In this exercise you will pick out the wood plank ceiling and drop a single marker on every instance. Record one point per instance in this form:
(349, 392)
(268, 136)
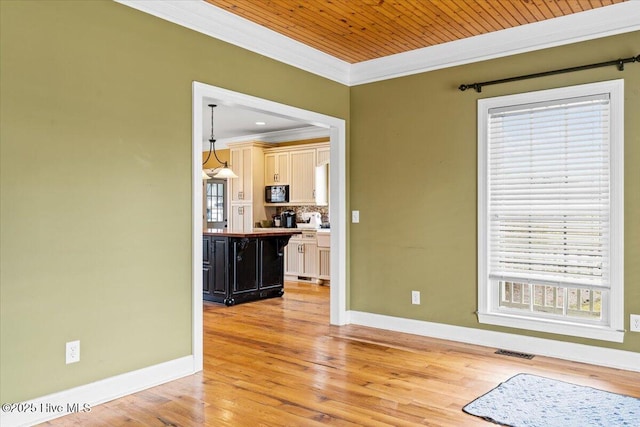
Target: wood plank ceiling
(357, 31)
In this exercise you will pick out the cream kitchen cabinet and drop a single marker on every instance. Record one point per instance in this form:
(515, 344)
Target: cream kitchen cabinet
(242, 163)
(324, 264)
(246, 191)
(323, 155)
(241, 220)
(304, 168)
(301, 258)
(303, 177)
(324, 255)
(276, 168)
(322, 176)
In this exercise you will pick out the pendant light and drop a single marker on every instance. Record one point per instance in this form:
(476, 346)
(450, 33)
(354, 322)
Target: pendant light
(224, 171)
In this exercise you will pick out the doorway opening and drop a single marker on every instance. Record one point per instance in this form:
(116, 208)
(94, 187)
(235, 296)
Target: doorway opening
(337, 204)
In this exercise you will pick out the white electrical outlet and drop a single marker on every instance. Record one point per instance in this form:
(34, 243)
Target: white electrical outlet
(73, 352)
(415, 297)
(635, 323)
(355, 216)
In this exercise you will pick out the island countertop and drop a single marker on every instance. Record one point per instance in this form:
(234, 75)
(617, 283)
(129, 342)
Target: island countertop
(256, 232)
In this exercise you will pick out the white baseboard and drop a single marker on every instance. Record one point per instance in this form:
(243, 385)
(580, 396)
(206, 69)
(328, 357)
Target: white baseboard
(600, 356)
(55, 405)
(58, 404)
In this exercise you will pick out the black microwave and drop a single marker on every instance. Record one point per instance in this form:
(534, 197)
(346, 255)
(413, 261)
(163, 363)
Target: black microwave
(276, 194)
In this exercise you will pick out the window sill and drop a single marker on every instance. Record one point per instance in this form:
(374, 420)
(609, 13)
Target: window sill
(597, 332)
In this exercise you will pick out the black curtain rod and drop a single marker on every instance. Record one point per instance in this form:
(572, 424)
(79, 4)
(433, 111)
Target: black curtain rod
(617, 62)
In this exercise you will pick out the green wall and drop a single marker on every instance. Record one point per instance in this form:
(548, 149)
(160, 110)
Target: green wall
(413, 178)
(95, 178)
(96, 183)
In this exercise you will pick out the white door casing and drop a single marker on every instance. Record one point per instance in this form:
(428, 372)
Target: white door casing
(337, 205)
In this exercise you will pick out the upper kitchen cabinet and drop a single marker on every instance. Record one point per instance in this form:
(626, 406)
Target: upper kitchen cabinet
(321, 188)
(322, 155)
(304, 168)
(241, 162)
(247, 161)
(303, 176)
(276, 168)
(246, 191)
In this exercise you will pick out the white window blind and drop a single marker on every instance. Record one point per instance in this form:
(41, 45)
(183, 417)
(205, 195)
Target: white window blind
(551, 210)
(548, 192)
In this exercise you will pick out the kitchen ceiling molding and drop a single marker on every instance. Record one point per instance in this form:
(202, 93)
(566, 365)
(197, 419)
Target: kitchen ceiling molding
(220, 24)
(308, 132)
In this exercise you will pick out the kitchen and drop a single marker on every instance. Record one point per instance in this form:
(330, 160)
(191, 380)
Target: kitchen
(271, 222)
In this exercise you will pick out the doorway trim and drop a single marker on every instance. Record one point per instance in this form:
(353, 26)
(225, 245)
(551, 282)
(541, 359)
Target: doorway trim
(337, 205)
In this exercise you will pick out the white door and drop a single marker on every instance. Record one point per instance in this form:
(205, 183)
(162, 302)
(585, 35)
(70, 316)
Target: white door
(216, 203)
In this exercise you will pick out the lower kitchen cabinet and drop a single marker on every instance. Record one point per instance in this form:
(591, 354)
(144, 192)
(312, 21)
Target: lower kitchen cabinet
(243, 257)
(214, 268)
(302, 258)
(238, 269)
(295, 259)
(324, 255)
(271, 271)
(206, 265)
(219, 274)
(324, 263)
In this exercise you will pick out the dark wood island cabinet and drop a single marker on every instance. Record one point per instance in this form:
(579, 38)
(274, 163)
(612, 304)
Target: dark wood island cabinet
(240, 267)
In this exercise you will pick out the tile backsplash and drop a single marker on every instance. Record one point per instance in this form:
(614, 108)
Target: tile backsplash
(324, 211)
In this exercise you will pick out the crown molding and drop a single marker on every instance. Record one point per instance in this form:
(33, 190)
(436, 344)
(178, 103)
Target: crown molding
(220, 24)
(300, 134)
(592, 24)
(215, 22)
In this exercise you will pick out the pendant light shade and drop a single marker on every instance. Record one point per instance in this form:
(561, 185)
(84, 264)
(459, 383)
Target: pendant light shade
(224, 171)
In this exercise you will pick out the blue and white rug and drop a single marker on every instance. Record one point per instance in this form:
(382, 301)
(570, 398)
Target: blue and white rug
(533, 401)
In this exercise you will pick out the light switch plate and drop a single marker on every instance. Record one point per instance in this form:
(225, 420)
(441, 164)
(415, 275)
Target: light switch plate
(355, 216)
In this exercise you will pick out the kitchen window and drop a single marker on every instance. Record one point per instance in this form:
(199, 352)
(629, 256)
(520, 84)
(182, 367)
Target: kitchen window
(550, 211)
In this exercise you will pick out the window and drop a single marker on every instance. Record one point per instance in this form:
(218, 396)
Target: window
(550, 211)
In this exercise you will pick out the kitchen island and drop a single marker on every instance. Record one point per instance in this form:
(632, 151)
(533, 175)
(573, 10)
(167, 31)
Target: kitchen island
(240, 267)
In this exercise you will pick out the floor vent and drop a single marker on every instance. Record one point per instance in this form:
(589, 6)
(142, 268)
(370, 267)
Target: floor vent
(515, 354)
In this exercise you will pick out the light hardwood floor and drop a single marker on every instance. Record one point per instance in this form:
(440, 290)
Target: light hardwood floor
(278, 362)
